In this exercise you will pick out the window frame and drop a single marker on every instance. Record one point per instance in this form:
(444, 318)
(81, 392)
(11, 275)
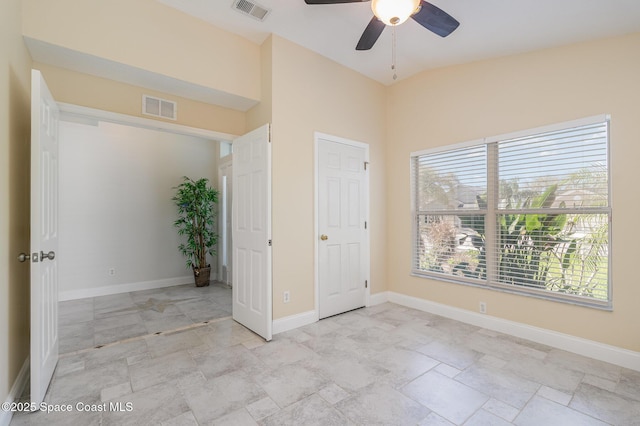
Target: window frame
(493, 212)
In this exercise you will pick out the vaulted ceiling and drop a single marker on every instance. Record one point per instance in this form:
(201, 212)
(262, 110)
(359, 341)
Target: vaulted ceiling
(488, 28)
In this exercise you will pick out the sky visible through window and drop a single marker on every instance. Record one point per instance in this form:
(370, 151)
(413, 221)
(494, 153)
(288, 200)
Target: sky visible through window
(557, 155)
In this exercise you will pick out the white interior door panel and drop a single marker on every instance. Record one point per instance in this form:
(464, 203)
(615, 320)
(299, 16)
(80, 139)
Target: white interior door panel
(251, 232)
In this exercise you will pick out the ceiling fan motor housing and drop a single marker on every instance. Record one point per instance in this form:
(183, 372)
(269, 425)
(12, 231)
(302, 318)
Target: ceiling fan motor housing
(394, 12)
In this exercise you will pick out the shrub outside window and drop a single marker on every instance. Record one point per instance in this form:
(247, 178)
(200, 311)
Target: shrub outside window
(528, 212)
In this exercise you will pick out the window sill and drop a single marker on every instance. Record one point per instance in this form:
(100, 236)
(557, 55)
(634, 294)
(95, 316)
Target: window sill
(521, 291)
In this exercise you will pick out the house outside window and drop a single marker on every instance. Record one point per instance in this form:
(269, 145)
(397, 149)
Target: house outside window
(527, 212)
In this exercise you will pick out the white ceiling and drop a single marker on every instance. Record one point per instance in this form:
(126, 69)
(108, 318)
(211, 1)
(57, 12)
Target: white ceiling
(488, 28)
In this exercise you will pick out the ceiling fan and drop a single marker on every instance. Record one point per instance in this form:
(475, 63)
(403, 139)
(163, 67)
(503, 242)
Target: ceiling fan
(395, 12)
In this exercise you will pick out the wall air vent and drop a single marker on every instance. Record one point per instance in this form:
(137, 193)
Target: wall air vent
(251, 8)
(161, 108)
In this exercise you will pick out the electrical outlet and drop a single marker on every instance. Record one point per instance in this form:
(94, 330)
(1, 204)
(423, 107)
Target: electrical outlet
(112, 272)
(483, 308)
(287, 297)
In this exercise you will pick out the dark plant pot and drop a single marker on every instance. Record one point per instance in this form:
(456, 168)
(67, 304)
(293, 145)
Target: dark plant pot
(202, 276)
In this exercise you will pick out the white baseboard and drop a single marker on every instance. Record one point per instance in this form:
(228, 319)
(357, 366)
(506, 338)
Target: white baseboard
(16, 391)
(122, 288)
(378, 298)
(305, 318)
(589, 348)
(294, 321)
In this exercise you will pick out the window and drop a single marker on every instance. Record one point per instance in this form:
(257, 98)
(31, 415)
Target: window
(527, 212)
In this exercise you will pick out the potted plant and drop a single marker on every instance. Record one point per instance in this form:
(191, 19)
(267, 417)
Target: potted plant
(195, 201)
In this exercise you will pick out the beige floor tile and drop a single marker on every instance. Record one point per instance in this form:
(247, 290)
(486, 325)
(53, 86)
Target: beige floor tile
(234, 358)
(290, 383)
(485, 418)
(546, 373)
(333, 393)
(555, 395)
(162, 369)
(349, 373)
(262, 408)
(500, 409)
(450, 399)
(165, 344)
(239, 417)
(220, 396)
(184, 419)
(607, 406)
(150, 406)
(455, 355)
(541, 411)
(386, 364)
(281, 352)
(500, 384)
(381, 404)
(85, 386)
(311, 411)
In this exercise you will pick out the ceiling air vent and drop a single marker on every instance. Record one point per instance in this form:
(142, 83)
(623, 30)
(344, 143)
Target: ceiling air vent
(159, 107)
(251, 9)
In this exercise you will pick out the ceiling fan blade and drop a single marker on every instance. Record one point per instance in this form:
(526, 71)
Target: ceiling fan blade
(333, 1)
(435, 19)
(370, 34)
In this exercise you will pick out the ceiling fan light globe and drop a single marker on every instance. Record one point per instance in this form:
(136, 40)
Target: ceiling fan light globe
(394, 12)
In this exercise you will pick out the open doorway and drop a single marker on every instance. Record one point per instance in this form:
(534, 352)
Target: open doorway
(121, 274)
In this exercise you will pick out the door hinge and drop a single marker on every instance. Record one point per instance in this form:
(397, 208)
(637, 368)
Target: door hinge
(269, 242)
(365, 224)
(366, 284)
(366, 163)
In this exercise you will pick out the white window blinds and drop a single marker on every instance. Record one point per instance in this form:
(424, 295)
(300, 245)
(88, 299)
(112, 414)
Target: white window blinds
(449, 219)
(528, 213)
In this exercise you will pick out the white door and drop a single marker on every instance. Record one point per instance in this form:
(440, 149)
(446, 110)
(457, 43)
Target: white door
(342, 210)
(44, 236)
(251, 235)
(225, 259)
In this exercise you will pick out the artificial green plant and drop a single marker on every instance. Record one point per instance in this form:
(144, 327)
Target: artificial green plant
(196, 212)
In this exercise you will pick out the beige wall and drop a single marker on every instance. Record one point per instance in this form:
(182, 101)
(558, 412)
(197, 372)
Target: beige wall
(262, 113)
(151, 36)
(492, 97)
(109, 95)
(15, 77)
(311, 93)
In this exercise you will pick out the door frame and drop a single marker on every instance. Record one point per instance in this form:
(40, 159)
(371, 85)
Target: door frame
(75, 113)
(224, 212)
(317, 138)
(86, 115)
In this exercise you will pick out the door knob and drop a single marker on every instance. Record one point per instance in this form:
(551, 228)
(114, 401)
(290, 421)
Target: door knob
(323, 237)
(51, 255)
(23, 257)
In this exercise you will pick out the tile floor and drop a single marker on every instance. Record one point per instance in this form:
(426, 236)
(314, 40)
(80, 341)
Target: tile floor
(94, 321)
(384, 365)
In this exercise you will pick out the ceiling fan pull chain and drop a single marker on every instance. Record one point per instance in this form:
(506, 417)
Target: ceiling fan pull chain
(393, 52)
